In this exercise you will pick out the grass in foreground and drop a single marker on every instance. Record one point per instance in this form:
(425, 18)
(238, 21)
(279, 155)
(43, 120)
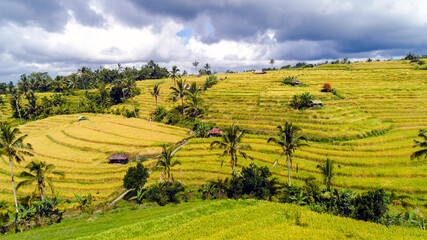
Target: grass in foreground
(224, 219)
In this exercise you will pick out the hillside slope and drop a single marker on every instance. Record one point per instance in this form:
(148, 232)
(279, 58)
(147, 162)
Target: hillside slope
(224, 219)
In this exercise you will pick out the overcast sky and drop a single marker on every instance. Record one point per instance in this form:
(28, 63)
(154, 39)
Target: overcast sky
(60, 36)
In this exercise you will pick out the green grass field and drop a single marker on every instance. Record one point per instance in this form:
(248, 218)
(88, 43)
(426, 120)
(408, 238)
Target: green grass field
(224, 219)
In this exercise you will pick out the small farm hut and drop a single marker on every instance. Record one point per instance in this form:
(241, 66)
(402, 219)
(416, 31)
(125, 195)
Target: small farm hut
(214, 132)
(259, 72)
(119, 158)
(316, 103)
(296, 83)
(81, 118)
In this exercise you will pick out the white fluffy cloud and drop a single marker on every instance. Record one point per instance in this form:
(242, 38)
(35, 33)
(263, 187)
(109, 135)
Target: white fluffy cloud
(59, 37)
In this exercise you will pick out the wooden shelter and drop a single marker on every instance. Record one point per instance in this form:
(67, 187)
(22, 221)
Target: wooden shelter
(259, 72)
(214, 132)
(316, 103)
(119, 158)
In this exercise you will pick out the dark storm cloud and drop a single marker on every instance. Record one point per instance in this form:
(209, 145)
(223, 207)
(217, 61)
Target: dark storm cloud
(51, 15)
(354, 26)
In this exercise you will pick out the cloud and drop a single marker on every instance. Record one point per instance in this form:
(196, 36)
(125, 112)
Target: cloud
(59, 36)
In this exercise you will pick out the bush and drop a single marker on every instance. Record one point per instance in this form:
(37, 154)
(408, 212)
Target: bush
(214, 189)
(289, 80)
(371, 205)
(135, 177)
(164, 192)
(202, 129)
(252, 181)
(312, 190)
(326, 87)
(301, 101)
(210, 81)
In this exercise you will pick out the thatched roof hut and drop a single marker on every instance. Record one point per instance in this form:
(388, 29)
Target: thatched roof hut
(259, 72)
(120, 158)
(214, 132)
(316, 103)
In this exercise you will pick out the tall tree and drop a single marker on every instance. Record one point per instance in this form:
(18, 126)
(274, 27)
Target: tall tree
(327, 172)
(2, 109)
(165, 161)
(179, 92)
(272, 62)
(84, 74)
(156, 92)
(207, 67)
(14, 100)
(195, 64)
(174, 74)
(39, 172)
(423, 152)
(130, 88)
(231, 139)
(289, 140)
(14, 148)
(194, 100)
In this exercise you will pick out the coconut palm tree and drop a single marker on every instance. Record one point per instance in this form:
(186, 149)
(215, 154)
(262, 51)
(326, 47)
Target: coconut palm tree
(195, 64)
(231, 139)
(38, 172)
(129, 88)
(14, 148)
(174, 74)
(194, 101)
(165, 162)
(179, 92)
(328, 172)
(423, 152)
(2, 109)
(289, 140)
(156, 92)
(272, 62)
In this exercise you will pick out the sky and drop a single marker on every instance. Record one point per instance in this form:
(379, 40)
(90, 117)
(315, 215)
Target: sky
(59, 37)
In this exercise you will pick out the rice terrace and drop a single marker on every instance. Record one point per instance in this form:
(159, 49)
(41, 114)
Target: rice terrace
(301, 147)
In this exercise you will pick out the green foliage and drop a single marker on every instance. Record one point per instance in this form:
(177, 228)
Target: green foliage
(214, 189)
(302, 101)
(42, 213)
(289, 80)
(312, 191)
(210, 81)
(371, 205)
(252, 181)
(85, 203)
(164, 192)
(135, 177)
(202, 129)
(423, 152)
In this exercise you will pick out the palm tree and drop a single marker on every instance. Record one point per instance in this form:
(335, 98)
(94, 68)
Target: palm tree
(231, 139)
(164, 161)
(16, 96)
(194, 101)
(174, 74)
(84, 75)
(423, 152)
(289, 140)
(328, 172)
(156, 92)
(179, 92)
(14, 148)
(195, 64)
(272, 62)
(38, 172)
(2, 109)
(207, 67)
(130, 88)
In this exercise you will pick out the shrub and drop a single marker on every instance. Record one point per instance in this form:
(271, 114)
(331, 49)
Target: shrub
(214, 189)
(135, 177)
(326, 87)
(371, 205)
(301, 101)
(202, 129)
(164, 192)
(210, 81)
(252, 181)
(312, 190)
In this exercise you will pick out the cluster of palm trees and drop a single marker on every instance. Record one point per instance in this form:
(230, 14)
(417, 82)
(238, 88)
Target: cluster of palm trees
(13, 146)
(192, 95)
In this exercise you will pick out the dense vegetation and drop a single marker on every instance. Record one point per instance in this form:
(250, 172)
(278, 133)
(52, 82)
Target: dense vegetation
(369, 134)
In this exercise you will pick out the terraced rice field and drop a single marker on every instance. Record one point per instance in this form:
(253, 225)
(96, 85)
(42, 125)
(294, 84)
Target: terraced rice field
(369, 133)
(384, 98)
(80, 149)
